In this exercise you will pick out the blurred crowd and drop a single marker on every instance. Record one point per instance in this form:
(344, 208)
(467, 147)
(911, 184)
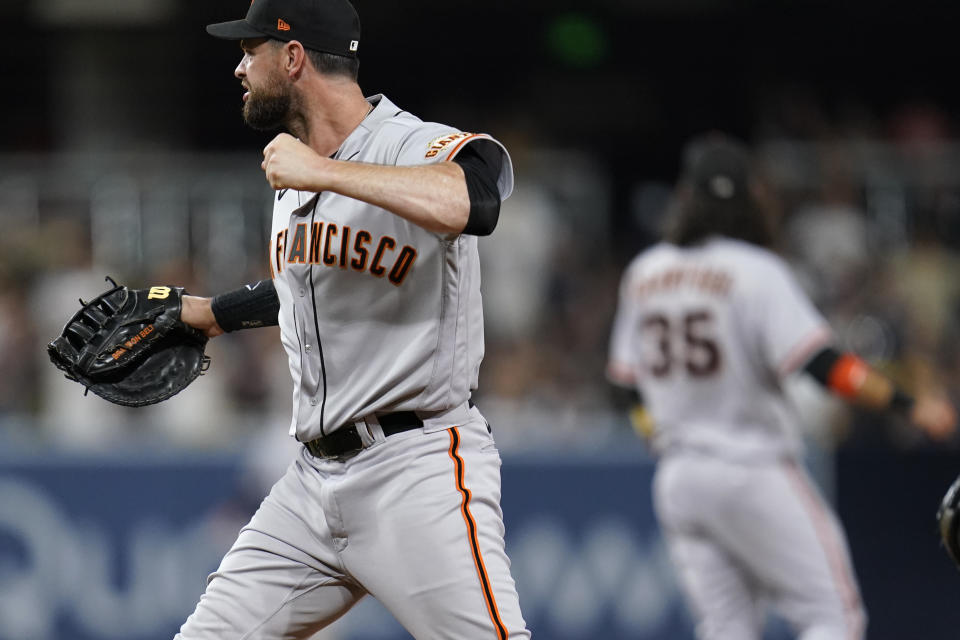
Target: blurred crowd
(869, 210)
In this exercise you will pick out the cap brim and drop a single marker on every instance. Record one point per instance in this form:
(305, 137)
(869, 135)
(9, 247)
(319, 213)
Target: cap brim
(234, 30)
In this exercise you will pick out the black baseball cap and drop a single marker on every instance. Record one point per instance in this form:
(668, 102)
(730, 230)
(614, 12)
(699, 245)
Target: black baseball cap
(718, 166)
(331, 26)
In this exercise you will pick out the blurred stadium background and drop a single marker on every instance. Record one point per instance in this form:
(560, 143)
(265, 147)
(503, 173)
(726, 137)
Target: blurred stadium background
(122, 152)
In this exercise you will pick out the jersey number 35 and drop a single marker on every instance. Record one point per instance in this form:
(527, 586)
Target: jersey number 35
(681, 343)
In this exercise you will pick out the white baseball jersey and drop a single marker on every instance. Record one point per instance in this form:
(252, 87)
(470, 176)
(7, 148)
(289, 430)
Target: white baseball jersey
(721, 323)
(706, 333)
(376, 313)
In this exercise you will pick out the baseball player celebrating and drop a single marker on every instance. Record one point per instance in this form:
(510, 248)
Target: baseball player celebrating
(708, 326)
(375, 286)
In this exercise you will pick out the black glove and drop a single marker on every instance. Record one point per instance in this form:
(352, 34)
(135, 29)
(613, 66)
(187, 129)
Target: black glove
(948, 516)
(129, 346)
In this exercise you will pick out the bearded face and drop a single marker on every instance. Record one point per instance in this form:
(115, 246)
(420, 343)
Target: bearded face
(269, 105)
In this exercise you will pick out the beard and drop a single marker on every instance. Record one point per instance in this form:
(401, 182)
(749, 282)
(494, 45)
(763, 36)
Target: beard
(269, 107)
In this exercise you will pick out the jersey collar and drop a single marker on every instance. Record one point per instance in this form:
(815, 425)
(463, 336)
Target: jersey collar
(383, 109)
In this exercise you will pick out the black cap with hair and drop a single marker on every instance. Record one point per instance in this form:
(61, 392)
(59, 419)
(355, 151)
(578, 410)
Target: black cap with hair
(331, 26)
(718, 167)
(721, 196)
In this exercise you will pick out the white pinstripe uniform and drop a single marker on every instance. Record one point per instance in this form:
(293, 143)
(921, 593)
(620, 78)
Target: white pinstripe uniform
(707, 333)
(378, 316)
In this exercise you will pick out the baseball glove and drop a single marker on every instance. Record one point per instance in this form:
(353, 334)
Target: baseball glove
(948, 516)
(129, 346)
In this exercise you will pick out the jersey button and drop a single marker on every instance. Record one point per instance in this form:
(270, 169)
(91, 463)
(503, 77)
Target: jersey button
(303, 292)
(307, 347)
(313, 402)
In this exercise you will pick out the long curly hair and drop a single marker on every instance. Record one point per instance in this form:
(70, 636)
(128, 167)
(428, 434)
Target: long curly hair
(718, 194)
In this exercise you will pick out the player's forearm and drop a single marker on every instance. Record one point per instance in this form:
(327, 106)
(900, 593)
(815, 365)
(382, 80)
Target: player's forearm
(851, 378)
(196, 312)
(250, 306)
(434, 197)
(929, 411)
(876, 392)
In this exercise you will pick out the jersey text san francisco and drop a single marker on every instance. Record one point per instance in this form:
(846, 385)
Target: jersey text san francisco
(333, 245)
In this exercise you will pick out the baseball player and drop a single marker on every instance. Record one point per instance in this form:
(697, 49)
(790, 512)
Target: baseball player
(376, 287)
(708, 326)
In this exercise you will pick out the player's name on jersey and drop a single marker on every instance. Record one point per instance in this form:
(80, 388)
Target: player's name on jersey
(709, 280)
(333, 245)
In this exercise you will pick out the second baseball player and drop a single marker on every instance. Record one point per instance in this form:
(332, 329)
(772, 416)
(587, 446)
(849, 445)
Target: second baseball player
(709, 325)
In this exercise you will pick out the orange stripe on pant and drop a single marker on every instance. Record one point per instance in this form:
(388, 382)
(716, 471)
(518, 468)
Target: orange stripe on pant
(833, 550)
(472, 534)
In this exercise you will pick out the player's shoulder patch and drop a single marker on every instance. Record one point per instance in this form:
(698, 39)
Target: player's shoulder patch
(449, 141)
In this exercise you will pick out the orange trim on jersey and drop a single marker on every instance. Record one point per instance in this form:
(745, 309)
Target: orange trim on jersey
(621, 373)
(488, 596)
(833, 549)
(847, 375)
(805, 349)
(460, 144)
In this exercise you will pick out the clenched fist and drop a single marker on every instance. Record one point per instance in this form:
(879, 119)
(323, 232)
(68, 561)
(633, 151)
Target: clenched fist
(290, 164)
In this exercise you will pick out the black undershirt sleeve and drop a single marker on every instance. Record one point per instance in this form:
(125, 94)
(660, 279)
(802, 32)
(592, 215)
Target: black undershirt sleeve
(823, 362)
(624, 398)
(250, 306)
(820, 365)
(481, 161)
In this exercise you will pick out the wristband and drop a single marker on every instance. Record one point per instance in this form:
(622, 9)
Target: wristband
(251, 306)
(901, 402)
(847, 375)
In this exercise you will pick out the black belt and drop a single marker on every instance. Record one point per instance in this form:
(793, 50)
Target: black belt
(346, 439)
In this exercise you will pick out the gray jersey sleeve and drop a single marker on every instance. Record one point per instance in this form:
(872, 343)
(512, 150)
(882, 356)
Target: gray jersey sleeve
(789, 327)
(434, 143)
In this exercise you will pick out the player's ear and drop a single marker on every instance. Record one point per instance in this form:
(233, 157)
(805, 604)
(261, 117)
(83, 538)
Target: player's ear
(294, 58)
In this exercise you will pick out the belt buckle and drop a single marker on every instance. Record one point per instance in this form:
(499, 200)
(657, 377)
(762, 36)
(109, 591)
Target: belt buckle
(361, 433)
(319, 451)
(325, 453)
(349, 452)
(325, 446)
